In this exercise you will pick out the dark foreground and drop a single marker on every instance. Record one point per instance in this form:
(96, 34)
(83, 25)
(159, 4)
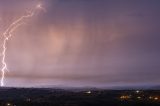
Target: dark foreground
(56, 97)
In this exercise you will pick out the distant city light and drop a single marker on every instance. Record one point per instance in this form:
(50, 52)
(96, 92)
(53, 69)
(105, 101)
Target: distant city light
(139, 97)
(125, 97)
(150, 97)
(8, 104)
(88, 92)
(156, 98)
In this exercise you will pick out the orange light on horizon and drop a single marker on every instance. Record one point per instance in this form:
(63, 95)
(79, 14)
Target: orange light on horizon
(125, 97)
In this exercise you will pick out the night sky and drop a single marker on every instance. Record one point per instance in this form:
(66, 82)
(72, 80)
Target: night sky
(79, 43)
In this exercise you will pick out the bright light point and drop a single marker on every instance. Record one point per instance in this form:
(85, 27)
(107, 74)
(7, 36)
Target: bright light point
(39, 6)
(137, 91)
(156, 98)
(88, 92)
(8, 104)
(139, 97)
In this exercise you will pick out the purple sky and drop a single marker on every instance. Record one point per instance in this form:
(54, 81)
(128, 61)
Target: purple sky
(83, 43)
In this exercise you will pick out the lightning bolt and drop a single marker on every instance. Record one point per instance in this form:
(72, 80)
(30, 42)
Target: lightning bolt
(8, 34)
